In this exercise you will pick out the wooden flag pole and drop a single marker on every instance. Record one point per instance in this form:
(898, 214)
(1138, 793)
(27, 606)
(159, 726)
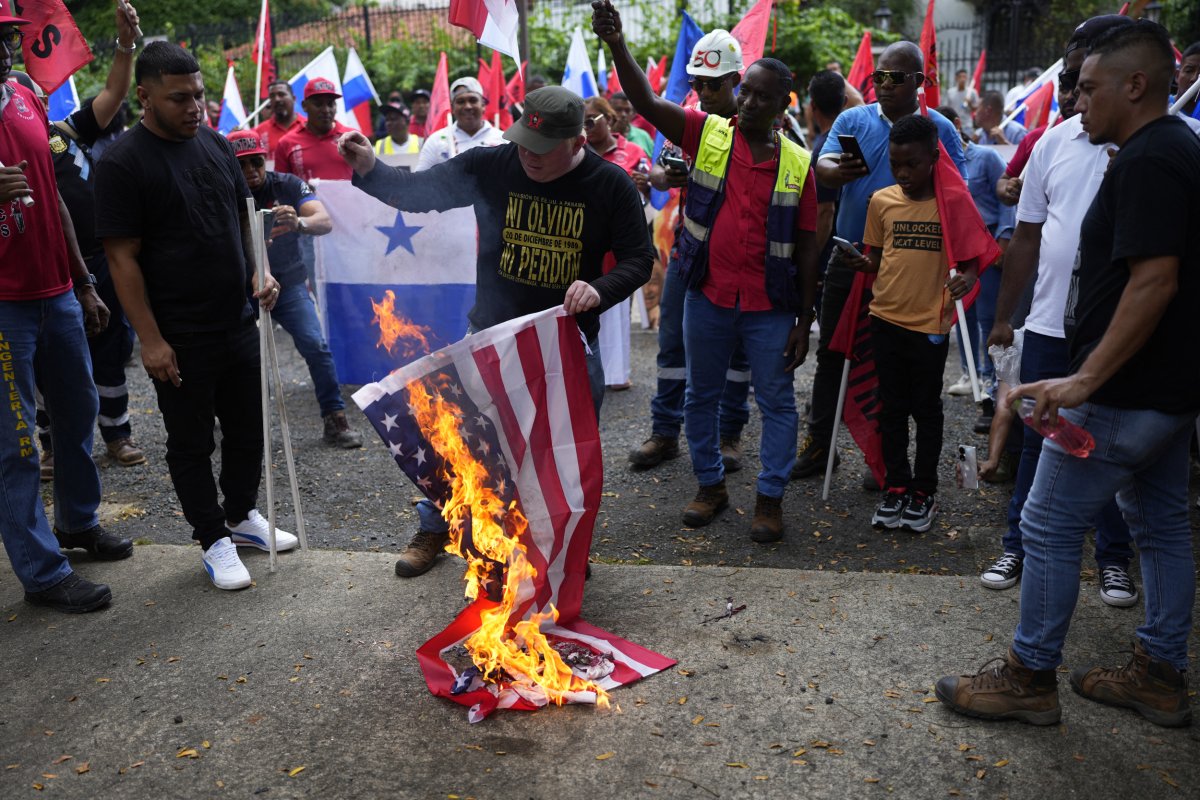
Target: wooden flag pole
(256, 235)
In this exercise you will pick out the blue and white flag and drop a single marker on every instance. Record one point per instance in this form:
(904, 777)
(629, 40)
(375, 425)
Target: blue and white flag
(425, 261)
(233, 113)
(601, 70)
(578, 75)
(358, 91)
(63, 101)
(323, 66)
(677, 87)
(1017, 114)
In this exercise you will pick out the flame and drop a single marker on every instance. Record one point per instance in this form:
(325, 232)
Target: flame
(393, 328)
(486, 533)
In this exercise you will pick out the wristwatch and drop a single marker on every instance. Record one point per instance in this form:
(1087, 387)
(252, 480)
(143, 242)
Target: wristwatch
(90, 280)
(300, 226)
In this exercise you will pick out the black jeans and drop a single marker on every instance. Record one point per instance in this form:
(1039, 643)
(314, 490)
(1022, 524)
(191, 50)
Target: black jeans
(219, 375)
(910, 367)
(828, 378)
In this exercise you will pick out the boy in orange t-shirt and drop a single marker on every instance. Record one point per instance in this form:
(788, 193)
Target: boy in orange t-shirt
(911, 314)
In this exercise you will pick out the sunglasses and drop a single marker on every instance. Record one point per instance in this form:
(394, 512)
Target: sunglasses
(590, 122)
(712, 84)
(255, 161)
(12, 39)
(896, 76)
(1068, 80)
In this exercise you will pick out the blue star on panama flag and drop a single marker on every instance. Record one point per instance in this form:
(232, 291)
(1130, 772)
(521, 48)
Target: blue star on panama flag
(399, 234)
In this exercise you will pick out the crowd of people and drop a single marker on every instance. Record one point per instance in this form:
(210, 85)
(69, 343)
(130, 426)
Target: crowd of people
(1082, 249)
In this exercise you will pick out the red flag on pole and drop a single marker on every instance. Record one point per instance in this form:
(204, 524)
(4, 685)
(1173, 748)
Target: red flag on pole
(485, 80)
(655, 74)
(933, 90)
(861, 69)
(852, 338)
(439, 99)
(469, 14)
(514, 91)
(497, 109)
(751, 32)
(977, 80)
(53, 47)
(265, 62)
(1037, 107)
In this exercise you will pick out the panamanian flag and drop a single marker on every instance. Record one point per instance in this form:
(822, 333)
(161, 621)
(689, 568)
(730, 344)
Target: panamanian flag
(426, 261)
(526, 414)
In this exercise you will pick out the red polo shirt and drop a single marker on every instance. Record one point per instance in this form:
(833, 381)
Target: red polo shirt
(273, 131)
(737, 246)
(32, 248)
(306, 155)
(628, 156)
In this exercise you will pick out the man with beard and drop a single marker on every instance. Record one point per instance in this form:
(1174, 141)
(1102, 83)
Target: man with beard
(283, 119)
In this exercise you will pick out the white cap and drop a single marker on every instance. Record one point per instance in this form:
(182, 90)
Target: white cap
(716, 54)
(466, 85)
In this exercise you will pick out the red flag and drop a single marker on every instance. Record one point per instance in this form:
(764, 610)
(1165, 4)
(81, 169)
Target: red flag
(439, 99)
(53, 47)
(268, 73)
(1038, 105)
(852, 338)
(861, 69)
(977, 80)
(655, 74)
(614, 83)
(751, 32)
(933, 90)
(514, 91)
(521, 389)
(469, 14)
(497, 109)
(485, 80)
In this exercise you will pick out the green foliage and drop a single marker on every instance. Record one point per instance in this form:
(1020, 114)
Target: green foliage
(1182, 18)
(808, 38)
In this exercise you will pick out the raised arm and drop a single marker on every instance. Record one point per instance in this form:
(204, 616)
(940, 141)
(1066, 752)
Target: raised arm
(451, 184)
(107, 103)
(666, 116)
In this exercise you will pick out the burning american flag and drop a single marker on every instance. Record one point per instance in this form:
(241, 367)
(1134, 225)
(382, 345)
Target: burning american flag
(498, 429)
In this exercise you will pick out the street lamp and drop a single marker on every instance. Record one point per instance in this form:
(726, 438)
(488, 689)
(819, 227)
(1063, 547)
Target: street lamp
(1153, 11)
(883, 16)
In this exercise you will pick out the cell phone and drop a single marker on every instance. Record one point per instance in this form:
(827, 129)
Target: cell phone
(851, 147)
(268, 221)
(967, 468)
(846, 247)
(674, 163)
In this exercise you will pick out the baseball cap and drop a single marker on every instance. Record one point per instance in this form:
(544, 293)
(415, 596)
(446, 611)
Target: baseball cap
(415, 93)
(1090, 30)
(551, 115)
(395, 108)
(6, 17)
(246, 143)
(466, 85)
(320, 86)
(716, 54)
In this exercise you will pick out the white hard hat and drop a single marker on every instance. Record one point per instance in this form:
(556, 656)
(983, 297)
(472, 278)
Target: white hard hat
(716, 54)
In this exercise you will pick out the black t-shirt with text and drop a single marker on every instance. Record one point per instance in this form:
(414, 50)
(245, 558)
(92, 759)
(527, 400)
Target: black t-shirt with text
(281, 188)
(535, 239)
(183, 200)
(1148, 205)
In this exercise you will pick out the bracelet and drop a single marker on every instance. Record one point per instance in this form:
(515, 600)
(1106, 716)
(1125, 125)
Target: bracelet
(122, 48)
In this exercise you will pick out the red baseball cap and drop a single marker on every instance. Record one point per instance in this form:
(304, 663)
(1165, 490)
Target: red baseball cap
(247, 143)
(317, 86)
(6, 18)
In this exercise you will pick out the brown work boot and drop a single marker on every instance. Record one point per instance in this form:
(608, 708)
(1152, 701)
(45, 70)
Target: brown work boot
(768, 519)
(47, 466)
(421, 553)
(709, 502)
(125, 452)
(338, 432)
(731, 453)
(1154, 689)
(654, 451)
(1007, 690)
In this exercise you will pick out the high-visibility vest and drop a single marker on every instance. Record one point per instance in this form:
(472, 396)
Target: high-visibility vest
(387, 147)
(706, 192)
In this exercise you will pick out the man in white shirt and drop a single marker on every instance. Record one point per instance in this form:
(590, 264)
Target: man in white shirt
(469, 129)
(963, 98)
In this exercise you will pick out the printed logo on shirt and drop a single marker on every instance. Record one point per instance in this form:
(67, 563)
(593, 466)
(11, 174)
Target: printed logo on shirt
(1072, 294)
(22, 109)
(58, 144)
(543, 241)
(917, 236)
(12, 222)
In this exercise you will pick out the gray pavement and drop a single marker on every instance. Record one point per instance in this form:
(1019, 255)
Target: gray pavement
(821, 688)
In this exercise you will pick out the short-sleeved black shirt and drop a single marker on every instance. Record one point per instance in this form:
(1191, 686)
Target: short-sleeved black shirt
(73, 172)
(1148, 205)
(280, 188)
(182, 200)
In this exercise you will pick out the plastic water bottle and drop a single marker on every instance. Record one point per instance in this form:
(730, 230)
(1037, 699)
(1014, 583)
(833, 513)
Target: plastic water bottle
(1066, 434)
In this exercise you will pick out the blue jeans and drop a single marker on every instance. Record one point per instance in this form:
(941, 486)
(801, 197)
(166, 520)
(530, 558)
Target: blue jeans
(428, 513)
(46, 336)
(984, 309)
(1141, 456)
(666, 409)
(297, 313)
(711, 334)
(1046, 357)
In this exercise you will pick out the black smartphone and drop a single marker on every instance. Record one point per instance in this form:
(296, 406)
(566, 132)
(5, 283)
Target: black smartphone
(678, 164)
(851, 147)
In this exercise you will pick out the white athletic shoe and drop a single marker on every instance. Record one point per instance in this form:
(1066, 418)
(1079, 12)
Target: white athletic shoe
(252, 532)
(223, 566)
(961, 387)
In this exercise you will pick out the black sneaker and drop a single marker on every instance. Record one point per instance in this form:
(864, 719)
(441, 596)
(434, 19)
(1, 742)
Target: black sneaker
(100, 544)
(890, 508)
(919, 512)
(1004, 573)
(983, 424)
(72, 595)
(812, 459)
(1117, 588)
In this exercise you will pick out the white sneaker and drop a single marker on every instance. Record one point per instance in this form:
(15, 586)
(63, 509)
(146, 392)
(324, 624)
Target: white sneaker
(252, 532)
(223, 566)
(960, 388)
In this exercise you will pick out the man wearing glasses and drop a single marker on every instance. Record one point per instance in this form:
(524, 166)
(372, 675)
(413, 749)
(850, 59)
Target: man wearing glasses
(715, 69)
(896, 83)
(47, 303)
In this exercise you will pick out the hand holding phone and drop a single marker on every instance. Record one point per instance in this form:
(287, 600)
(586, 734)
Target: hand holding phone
(677, 164)
(853, 163)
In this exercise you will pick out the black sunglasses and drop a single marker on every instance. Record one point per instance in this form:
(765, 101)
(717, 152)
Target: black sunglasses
(590, 122)
(713, 84)
(896, 76)
(12, 39)
(1068, 80)
(256, 161)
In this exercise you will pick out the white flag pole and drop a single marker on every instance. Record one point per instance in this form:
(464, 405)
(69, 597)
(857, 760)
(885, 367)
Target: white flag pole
(837, 419)
(262, 35)
(1050, 74)
(264, 323)
(964, 334)
(1185, 98)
